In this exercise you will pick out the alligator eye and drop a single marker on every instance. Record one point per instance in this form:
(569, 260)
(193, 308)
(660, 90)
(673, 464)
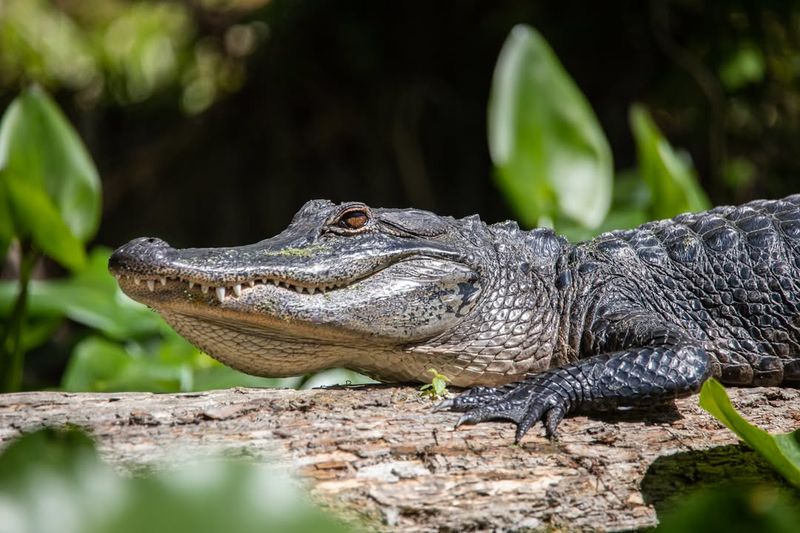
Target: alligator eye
(355, 219)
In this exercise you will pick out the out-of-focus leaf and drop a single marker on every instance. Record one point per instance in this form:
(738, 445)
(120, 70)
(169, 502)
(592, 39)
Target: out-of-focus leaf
(629, 205)
(39, 147)
(731, 509)
(53, 480)
(782, 450)
(36, 217)
(673, 186)
(94, 364)
(91, 297)
(745, 65)
(171, 365)
(550, 153)
(7, 230)
(38, 330)
(51, 449)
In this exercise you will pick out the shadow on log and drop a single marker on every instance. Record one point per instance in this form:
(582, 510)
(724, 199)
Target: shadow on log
(673, 476)
(382, 454)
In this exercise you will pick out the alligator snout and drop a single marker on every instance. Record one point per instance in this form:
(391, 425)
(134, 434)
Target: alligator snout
(143, 255)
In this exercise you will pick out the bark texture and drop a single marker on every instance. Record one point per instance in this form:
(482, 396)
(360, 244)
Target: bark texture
(379, 453)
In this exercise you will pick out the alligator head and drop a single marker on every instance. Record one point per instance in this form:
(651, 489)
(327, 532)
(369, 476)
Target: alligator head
(388, 292)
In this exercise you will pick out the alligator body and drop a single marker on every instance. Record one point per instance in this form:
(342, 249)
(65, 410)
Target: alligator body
(538, 326)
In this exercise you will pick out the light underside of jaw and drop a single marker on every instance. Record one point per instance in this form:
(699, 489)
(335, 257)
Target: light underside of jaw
(223, 291)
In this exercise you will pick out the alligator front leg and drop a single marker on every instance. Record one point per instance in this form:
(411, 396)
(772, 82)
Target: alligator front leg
(635, 375)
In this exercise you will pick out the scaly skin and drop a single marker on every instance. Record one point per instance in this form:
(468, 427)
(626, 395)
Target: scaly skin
(540, 327)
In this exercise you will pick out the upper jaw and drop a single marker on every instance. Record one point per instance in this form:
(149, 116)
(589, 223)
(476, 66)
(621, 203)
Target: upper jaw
(308, 268)
(134, 282)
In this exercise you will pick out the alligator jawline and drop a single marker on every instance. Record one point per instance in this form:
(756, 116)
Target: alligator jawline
(235, 288)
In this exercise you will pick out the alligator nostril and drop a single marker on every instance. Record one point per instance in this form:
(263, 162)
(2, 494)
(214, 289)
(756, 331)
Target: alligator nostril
(150, 251)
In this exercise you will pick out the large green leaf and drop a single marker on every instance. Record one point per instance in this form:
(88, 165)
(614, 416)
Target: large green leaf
(782, 450)
(673, 185)
(550, 153)
(39, 147)
(35, 216)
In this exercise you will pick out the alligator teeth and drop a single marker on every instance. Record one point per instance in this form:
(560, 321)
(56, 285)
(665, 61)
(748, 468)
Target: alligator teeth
(299, 289)
(163, 280)
(151, 284)
(220, 293)
(191, 284)
(204, 289)
(137, 281)
(237, 290)
(276, 282)
(251, 283)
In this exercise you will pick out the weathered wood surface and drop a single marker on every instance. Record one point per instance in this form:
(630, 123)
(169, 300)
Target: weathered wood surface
(380, 452)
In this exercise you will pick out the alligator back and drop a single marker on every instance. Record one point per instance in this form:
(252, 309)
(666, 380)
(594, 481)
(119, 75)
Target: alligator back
(729, 276)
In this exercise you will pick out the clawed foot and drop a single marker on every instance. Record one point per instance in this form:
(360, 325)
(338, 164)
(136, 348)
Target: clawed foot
(541, 397)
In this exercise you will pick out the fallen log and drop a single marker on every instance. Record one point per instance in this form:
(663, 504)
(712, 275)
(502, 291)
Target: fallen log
(380, 453)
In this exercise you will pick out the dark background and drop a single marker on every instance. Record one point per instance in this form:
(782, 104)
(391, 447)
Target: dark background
(385, 102)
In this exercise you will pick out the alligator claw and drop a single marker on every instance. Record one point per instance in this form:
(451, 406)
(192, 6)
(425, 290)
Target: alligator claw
(541, 397)
(444, 405)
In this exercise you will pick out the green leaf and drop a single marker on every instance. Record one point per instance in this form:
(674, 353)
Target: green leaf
(48, 449)
(94, 364)
(673, 185)
(730, 508)
(168, 365)
(37, 218)
(782, 450)
(54, 480)
(39, 147)
(549, 151)
(7, 230)
(90, 297)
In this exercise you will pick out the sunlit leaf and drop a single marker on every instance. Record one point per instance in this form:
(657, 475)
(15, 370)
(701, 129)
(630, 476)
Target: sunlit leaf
(35, 216)
(39, 147)
(673, 186)
(550, 153)
(781, 450)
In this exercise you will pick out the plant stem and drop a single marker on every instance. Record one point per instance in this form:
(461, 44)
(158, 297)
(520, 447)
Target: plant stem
(12, 356)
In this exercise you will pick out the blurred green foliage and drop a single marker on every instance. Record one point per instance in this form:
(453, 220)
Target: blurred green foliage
(733, 509)
(781, 451)
(125, 51)
(548, 149)
(49, 204)
(553, 161)
(52, 480)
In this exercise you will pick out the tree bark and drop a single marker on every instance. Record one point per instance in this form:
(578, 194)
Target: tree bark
(381, 454)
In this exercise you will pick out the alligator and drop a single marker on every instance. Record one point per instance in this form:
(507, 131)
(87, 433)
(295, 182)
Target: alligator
(537, 326)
